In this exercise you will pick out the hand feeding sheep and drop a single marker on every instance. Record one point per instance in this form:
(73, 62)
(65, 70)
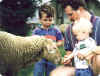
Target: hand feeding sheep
(17, 52)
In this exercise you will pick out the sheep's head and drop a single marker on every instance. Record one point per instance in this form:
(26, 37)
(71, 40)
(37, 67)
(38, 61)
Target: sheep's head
(51, 52)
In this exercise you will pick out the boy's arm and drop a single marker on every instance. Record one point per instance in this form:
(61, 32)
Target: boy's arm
(69, 57)
(60, 43)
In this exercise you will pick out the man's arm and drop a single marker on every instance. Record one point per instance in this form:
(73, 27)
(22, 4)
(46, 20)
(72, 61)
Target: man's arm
(96, 50)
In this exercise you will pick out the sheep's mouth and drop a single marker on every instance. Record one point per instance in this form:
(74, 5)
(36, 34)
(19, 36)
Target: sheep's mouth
(51, 51)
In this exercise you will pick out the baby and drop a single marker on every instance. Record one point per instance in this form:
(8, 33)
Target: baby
(85, 44)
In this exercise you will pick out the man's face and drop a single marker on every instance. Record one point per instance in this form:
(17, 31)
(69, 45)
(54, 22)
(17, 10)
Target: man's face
(72, 14)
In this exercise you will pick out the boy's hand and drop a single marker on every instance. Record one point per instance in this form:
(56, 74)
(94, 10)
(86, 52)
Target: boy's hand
(65, 60)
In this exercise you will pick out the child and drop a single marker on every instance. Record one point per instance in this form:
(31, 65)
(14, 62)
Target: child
(81, 30)
(46, 16)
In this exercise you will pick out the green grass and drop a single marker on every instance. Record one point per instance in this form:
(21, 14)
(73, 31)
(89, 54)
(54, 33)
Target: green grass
(29, 71)
(26, 71)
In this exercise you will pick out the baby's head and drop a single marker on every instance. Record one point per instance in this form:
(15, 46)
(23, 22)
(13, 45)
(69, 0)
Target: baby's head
(82, 28)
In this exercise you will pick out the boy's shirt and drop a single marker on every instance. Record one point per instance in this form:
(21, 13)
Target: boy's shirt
(51, 33)
(83, 47)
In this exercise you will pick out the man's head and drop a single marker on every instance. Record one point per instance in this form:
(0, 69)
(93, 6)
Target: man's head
(69, 12)
(46, 15)
(74, 9)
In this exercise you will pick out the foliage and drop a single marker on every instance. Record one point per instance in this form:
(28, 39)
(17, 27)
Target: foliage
(14, 14)
(85, 2)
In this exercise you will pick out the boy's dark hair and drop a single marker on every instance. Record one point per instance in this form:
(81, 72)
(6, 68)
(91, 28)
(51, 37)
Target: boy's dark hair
(49, 10)
(75, 4)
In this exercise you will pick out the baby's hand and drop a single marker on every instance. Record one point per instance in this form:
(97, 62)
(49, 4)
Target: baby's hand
(80, 56)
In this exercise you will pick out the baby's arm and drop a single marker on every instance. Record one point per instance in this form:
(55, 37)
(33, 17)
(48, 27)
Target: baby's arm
(88, 52)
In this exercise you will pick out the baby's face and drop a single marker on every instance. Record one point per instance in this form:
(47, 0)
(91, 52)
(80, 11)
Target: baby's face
(81, 35)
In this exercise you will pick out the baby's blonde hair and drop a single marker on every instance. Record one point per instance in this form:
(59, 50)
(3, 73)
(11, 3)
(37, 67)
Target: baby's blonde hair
(83, 25)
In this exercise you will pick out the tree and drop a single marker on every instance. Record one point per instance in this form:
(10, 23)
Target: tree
(14, 14)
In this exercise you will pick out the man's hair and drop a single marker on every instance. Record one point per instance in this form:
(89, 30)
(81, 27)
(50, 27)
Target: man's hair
(75, 4)
(47, 9)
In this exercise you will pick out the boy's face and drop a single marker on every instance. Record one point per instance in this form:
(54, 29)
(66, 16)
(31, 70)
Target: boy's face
(46, 21)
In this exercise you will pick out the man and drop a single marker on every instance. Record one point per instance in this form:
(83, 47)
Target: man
(74, 11)
(74, 14)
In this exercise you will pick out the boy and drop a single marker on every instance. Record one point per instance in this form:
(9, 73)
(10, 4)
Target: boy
(46, 15)
(82, 30)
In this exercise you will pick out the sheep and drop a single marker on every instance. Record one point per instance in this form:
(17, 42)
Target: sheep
(17, 52)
